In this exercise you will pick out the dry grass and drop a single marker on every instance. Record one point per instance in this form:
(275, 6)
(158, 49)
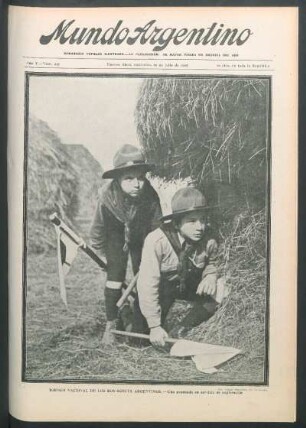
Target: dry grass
(52, 185)
(241, 320)
(62, 179)
(211, 129)
(66, 344)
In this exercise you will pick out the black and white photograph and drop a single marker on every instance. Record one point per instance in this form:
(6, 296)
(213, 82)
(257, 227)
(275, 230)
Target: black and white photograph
(146, 229)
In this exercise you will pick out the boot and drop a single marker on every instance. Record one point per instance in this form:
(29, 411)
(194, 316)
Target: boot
(109, 338)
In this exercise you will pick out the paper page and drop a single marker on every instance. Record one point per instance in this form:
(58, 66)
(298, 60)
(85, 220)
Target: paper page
(209, 95)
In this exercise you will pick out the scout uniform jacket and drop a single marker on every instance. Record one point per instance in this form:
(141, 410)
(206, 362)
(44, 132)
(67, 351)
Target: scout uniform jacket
(159, 259)
(108, 231)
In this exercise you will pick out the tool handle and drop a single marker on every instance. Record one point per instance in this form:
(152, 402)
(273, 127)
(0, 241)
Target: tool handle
(127, 291)
(77, 240)
(90, 252)
(140, 335)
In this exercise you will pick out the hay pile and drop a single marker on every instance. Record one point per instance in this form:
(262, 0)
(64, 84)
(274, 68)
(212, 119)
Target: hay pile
(240, 321)
(54, 184)
(90, 181)
(213, 130)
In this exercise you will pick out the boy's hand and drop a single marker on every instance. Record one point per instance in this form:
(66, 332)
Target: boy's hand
(208, 285)
(82, 243)
(158, 336)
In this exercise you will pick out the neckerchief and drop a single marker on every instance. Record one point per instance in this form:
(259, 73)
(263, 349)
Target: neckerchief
(125, 208)
(184, 263)
(183, 251)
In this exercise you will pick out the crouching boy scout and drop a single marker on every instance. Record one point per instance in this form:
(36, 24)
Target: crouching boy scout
(179, 262)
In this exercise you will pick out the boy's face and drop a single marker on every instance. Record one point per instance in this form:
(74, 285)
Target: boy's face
(132, 182)
(192, 226)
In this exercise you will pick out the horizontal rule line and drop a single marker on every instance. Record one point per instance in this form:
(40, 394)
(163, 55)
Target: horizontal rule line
(147, 59)
(149, 68)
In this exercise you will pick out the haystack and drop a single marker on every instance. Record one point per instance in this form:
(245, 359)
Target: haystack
(90, 181)
(215, 131)
(56, 183)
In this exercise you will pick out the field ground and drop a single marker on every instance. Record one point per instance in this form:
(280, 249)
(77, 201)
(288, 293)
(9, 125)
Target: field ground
(65, 344)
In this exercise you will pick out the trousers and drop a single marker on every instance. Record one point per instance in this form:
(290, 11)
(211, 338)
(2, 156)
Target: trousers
(203, 307)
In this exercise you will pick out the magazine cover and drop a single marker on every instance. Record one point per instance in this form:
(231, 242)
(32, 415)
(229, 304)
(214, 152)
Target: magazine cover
(152, 213)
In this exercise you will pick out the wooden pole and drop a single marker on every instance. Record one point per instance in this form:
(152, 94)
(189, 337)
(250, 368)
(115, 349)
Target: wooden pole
(77, 240)
(127, 291)
(141, 335)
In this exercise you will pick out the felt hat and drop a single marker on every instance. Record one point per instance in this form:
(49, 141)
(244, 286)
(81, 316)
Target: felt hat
(186, 200)
(127, 157)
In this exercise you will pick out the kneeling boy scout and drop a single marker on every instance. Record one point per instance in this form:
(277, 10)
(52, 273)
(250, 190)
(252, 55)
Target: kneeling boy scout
(179, 262)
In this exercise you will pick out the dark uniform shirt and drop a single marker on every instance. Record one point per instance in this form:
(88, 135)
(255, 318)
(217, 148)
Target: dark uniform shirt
(115, 232)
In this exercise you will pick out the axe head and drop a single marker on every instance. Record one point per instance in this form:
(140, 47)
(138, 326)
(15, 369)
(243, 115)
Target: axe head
(185, 348)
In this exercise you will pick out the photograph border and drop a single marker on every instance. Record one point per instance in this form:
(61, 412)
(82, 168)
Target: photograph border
(28, 76)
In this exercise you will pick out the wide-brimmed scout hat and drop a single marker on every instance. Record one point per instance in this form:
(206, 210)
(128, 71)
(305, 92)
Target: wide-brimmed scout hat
(186, 200)
(127, 157)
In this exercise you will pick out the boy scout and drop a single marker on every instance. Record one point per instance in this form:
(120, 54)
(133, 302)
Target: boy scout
(128, 209)
(179, 262)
